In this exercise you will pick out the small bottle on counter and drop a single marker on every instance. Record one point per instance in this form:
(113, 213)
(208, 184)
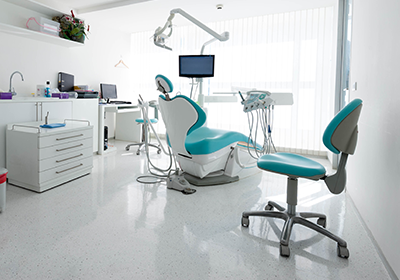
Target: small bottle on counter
(47, 89)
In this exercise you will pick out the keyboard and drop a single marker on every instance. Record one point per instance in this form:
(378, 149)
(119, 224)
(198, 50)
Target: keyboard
(120, 102)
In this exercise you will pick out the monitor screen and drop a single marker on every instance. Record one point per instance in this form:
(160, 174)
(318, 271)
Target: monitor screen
(196, 66)
(108, 91)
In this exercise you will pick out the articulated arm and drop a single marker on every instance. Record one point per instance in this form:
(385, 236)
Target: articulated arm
(159, 37)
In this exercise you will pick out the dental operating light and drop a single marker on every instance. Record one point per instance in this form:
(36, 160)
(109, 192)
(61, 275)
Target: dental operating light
(160, 37)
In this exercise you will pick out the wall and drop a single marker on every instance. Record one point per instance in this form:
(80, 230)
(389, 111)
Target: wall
(372, 173)
(91, 64)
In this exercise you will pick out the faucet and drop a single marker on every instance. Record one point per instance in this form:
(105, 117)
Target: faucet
(11, 88)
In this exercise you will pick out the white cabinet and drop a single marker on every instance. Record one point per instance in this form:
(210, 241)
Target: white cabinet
(27, 111)
(42, 158)
(86, 109)
(35, 109)
(57, 110)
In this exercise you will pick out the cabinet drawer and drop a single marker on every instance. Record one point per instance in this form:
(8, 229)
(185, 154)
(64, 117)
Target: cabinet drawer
(65, 158)
(65, 137)
(65, 149)
(65, 169)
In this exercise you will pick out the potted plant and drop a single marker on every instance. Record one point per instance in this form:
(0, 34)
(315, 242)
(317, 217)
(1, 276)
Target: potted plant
(72, 28)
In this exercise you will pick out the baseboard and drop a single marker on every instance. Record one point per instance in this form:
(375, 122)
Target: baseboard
(374, 242)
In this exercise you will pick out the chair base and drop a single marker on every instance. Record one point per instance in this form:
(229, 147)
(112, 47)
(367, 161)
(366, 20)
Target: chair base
(141, 145)
(292, 217)
(211, 180)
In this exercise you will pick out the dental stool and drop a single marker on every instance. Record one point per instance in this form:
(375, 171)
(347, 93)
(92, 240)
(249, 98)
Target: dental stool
(340, 137)
(145, 130)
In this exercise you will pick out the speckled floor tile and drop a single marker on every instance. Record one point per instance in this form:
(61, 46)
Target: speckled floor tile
(108, 226)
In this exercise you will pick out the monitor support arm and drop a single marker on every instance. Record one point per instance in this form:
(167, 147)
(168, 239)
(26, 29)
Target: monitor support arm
(160, 38)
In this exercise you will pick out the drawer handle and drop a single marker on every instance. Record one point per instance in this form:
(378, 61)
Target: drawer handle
(59, 150)
(59, 139)
(58, 172)
(69, 158)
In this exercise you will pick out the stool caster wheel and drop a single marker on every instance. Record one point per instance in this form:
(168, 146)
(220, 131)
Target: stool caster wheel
(138, 153)
(269, 207)
(245, 221)
(343, 252)
(284, 250)
(322, 222)
(159, 152)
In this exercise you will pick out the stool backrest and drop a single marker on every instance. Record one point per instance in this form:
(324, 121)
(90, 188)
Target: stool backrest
(341, 133)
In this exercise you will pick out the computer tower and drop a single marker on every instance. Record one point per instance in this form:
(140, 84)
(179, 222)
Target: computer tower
(105, 138)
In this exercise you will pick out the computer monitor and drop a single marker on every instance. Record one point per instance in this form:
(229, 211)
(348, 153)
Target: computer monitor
(108, 91)
(196, 66)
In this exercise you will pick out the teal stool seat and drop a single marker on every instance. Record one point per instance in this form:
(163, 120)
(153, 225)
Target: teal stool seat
(145, 126)
(205, 140)
(142, 121)
(291, 165)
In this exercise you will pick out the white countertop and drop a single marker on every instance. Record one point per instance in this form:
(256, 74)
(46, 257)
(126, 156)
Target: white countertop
(34, 127)
(33, 99)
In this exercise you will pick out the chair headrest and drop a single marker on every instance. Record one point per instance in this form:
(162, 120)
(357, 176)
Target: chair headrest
(164, 84)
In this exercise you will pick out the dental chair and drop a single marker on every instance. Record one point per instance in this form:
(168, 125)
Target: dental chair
(207, 156)
(144, 106)
(340, 137)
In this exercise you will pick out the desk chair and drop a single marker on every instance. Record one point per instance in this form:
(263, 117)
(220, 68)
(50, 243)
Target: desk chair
(145, 129)
(340, 137)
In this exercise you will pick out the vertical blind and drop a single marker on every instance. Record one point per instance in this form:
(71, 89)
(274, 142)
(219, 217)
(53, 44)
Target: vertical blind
(287, 52)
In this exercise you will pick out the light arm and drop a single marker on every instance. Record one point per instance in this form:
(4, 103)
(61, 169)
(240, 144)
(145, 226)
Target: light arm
(159, 37)
(223, 37)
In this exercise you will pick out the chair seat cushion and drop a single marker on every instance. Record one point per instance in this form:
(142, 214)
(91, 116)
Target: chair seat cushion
(142, 121)
(205, 140)
(292, 165)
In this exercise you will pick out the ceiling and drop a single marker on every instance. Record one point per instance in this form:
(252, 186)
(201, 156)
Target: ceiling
(143, 15)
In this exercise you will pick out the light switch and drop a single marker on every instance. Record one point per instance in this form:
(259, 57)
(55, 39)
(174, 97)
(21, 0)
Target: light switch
(354, 87)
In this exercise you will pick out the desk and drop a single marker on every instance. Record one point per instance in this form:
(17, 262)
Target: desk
(125, 125)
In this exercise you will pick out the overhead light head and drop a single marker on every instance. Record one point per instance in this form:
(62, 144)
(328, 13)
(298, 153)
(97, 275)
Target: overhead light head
(160, 38)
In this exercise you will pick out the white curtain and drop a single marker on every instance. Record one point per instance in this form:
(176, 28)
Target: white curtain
(287, 52)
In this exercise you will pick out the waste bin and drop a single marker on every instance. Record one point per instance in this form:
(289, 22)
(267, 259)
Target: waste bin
(3, 178)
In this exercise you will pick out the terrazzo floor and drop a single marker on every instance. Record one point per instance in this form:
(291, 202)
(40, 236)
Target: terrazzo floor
(108, 226)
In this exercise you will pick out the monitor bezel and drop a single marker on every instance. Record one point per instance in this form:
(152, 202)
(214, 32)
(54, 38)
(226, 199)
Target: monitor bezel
(107, 98)
(205, 75)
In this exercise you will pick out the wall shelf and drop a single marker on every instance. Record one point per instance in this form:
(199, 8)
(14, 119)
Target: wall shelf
(46, 11)
(39, 7)
(35, 35)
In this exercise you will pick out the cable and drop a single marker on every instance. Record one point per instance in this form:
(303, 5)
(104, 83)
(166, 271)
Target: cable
(264, 119)
(158, 174)
(191, 90)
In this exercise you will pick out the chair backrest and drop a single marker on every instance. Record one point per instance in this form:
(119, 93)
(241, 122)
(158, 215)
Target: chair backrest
(341, 133)
(181, 116)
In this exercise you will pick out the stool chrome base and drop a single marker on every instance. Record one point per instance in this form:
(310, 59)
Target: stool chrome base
(141, 145)
(292, 217)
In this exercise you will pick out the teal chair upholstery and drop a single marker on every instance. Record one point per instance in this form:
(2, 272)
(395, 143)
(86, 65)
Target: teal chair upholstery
(340, 137)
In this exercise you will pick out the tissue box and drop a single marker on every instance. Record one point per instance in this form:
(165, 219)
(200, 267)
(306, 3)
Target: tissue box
(61, 95)
(44, 25)
(5, 95)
